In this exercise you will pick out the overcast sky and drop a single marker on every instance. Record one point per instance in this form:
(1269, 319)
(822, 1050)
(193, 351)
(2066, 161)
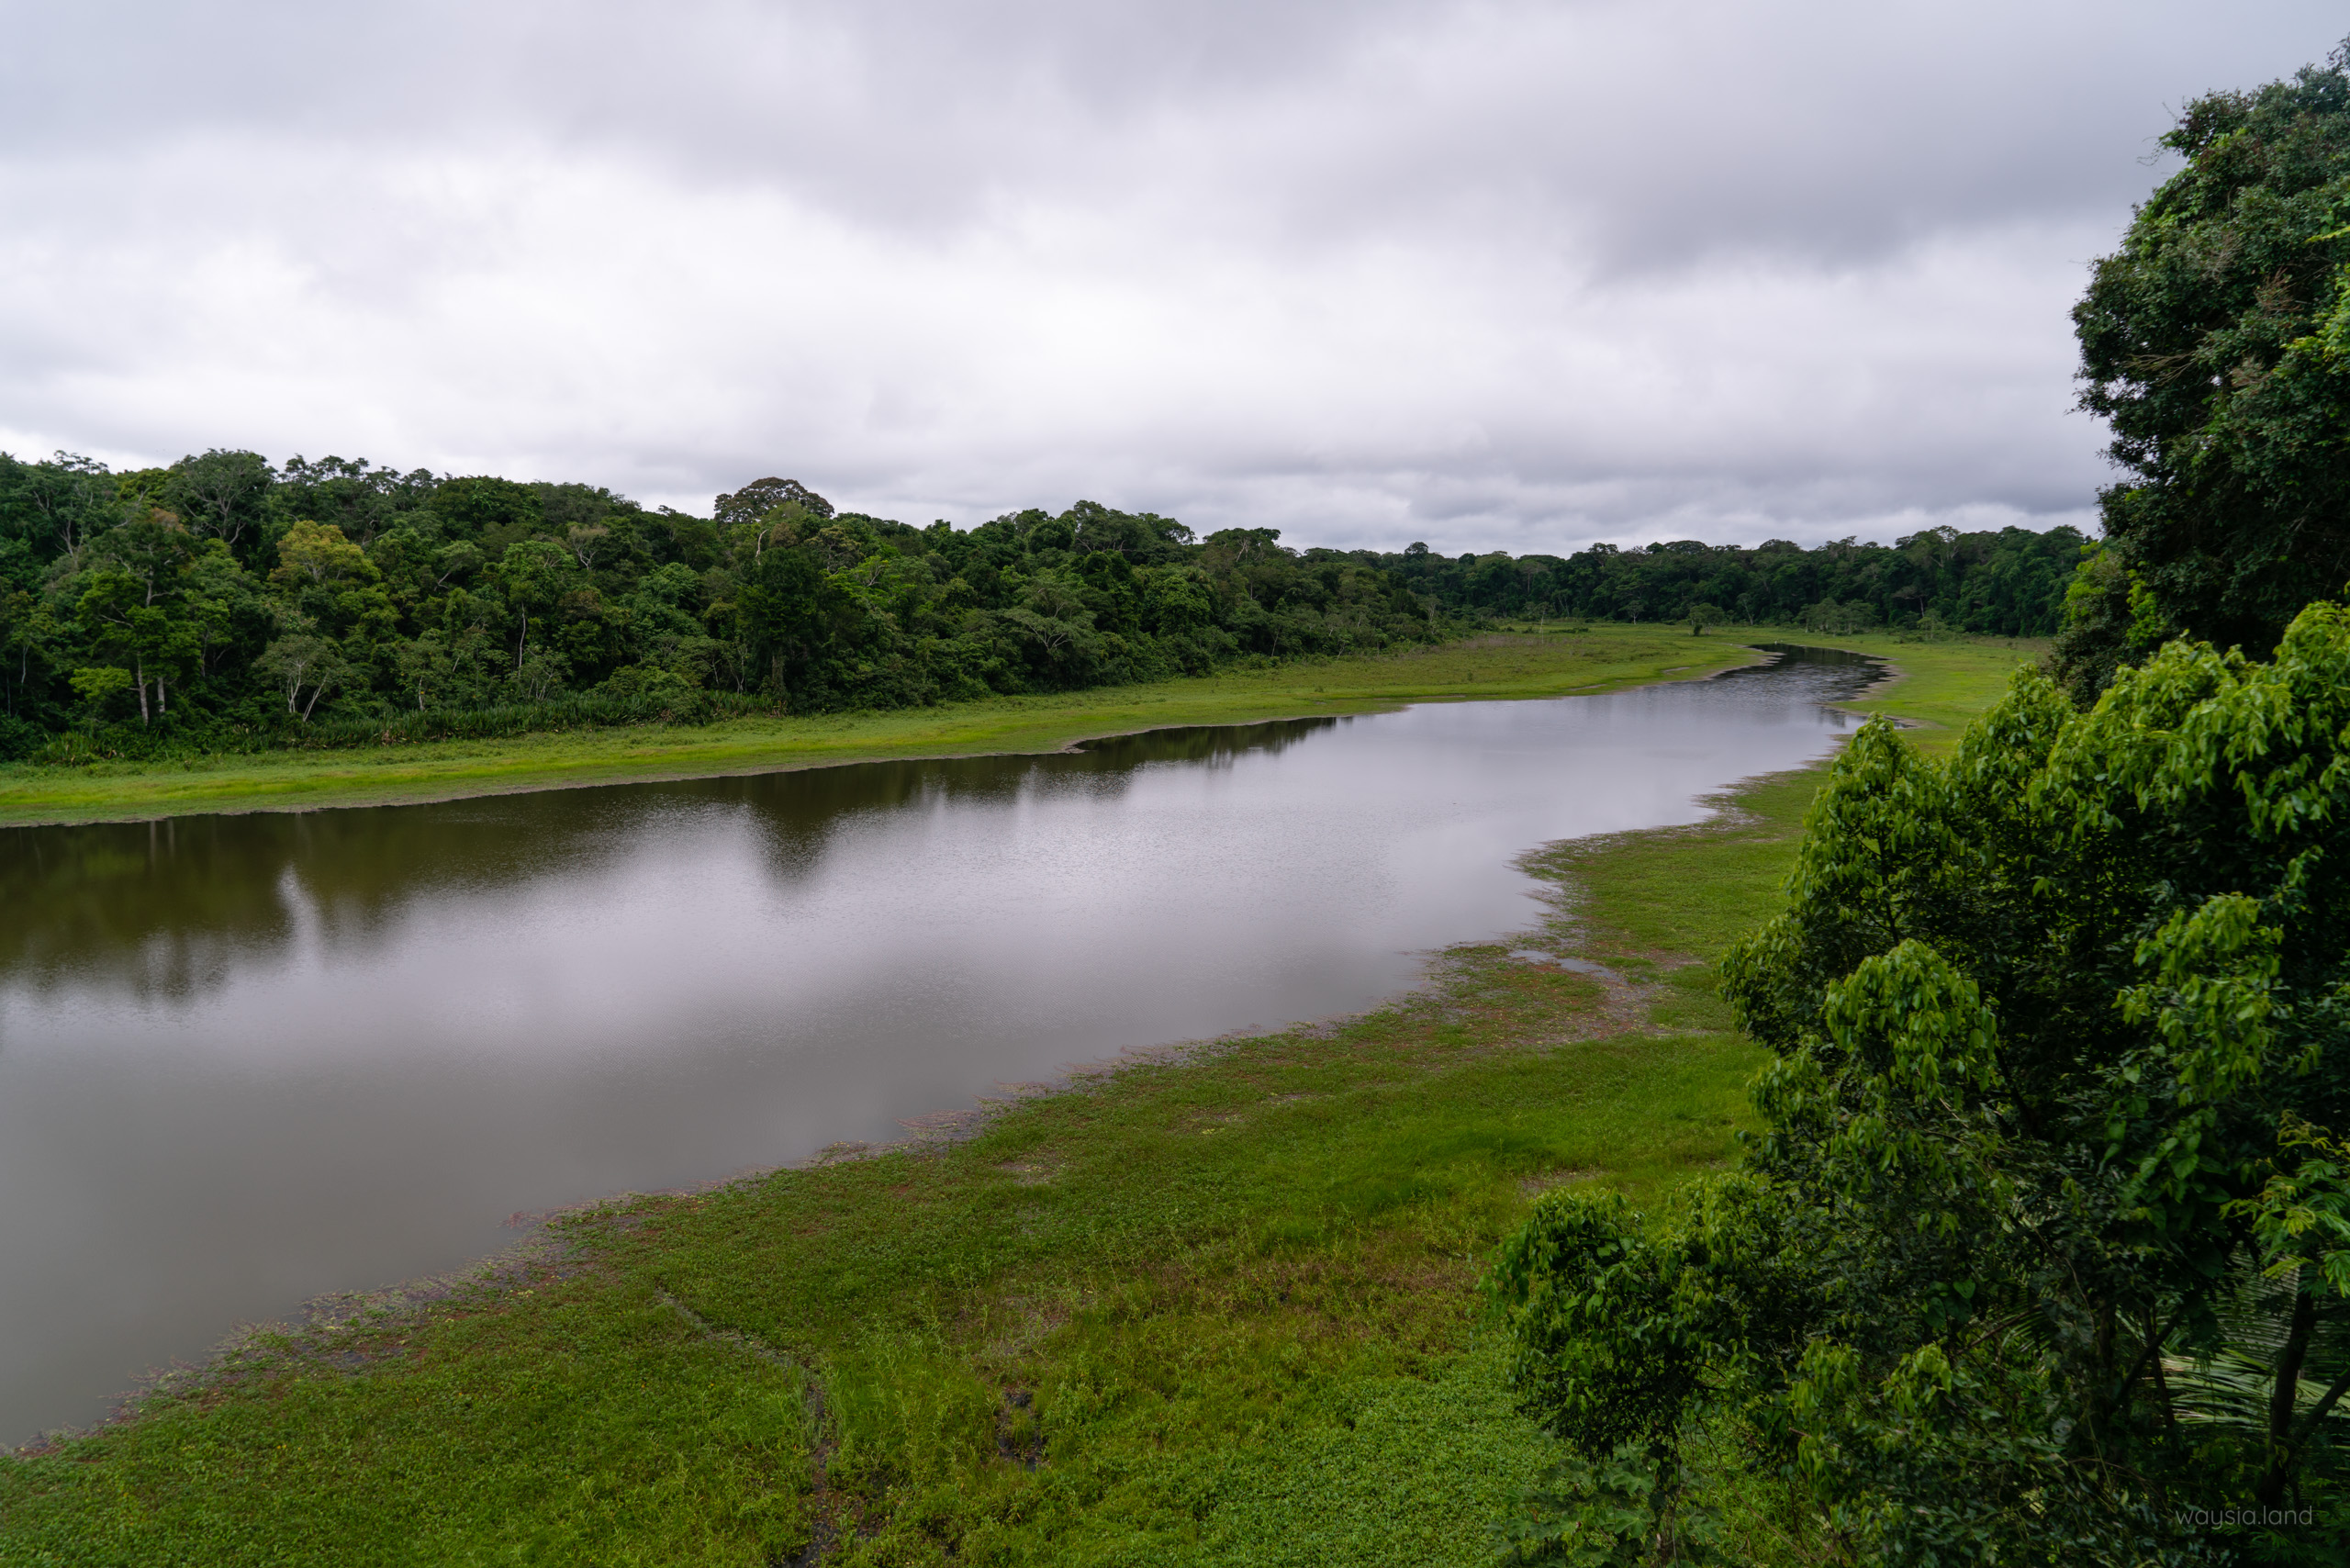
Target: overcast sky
(1493, 275)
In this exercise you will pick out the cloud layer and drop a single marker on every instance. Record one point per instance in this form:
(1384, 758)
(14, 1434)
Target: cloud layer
(1487, 274)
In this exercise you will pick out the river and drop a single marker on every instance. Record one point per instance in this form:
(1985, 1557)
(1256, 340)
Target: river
(245, 1060)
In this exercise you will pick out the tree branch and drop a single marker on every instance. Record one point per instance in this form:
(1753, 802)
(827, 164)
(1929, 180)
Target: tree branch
(2308, 1424)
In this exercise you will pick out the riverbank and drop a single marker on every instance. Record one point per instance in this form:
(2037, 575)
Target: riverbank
(1208, 1310)
(1498, 666)
(1935, 687)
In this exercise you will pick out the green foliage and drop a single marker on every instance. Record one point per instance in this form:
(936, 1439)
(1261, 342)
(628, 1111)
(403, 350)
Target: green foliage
(1621, 1328)
(444, 595)
(221, 494)
(2213, 342)
(2302, 1216)
(1610, 1513)
(1606, 1356)
(484, 508)
(2011, 583)
(755, 501)
(2057, 1025)
(407, 593)
(96, 684)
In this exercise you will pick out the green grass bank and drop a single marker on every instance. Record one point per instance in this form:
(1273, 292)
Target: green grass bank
(1486, 666)
(1216, 1308)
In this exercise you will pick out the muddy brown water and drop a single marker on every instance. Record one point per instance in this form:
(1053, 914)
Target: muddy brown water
(245, 1060)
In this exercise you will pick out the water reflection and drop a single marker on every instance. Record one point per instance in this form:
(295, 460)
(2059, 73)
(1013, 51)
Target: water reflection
(246, 1059)
(165, 910)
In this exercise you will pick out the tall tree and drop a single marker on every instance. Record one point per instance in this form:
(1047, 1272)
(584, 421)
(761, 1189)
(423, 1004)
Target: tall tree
(533, 575)
(760, 496)
(303, 661)
(473, 508)
(2211, 341)
(348, 494)
(132, 608)
(57, 505)
(126, 622)
(223, 494)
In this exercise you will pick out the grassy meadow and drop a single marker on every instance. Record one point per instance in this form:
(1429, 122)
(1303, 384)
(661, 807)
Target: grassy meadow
(1212, 1307)
(1937, 687)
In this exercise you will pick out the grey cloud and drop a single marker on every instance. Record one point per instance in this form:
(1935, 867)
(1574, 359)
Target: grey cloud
(1468, 272)
(1652, 131)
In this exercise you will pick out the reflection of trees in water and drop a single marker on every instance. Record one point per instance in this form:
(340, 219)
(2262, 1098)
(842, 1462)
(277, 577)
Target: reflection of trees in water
(168, 909)
(1835, 675)
(160, 905)
(795, 814)
(798, 814)
(1214, 745)
(359, 869)
(811, 797)
(171, 909)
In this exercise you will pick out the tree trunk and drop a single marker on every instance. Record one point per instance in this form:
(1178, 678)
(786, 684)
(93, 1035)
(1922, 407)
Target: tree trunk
(2162, 1384)
(139, 672)
(2285, 1398)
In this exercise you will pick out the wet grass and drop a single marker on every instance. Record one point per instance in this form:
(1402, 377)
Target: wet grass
(1940, 684)
(1487, 667)
(1214, 1309)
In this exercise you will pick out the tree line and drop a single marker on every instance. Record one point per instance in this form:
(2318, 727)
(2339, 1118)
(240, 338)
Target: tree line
(225, 602)
(2011, 583)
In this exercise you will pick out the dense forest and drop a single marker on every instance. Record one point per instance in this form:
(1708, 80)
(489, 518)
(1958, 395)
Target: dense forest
(2008, 584)
(225, 602)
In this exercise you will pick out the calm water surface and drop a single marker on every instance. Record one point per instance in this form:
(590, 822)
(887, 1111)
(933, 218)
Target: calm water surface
(246, 1060)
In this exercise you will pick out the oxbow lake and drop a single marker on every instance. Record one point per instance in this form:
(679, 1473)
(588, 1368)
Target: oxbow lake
(245, 1060)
